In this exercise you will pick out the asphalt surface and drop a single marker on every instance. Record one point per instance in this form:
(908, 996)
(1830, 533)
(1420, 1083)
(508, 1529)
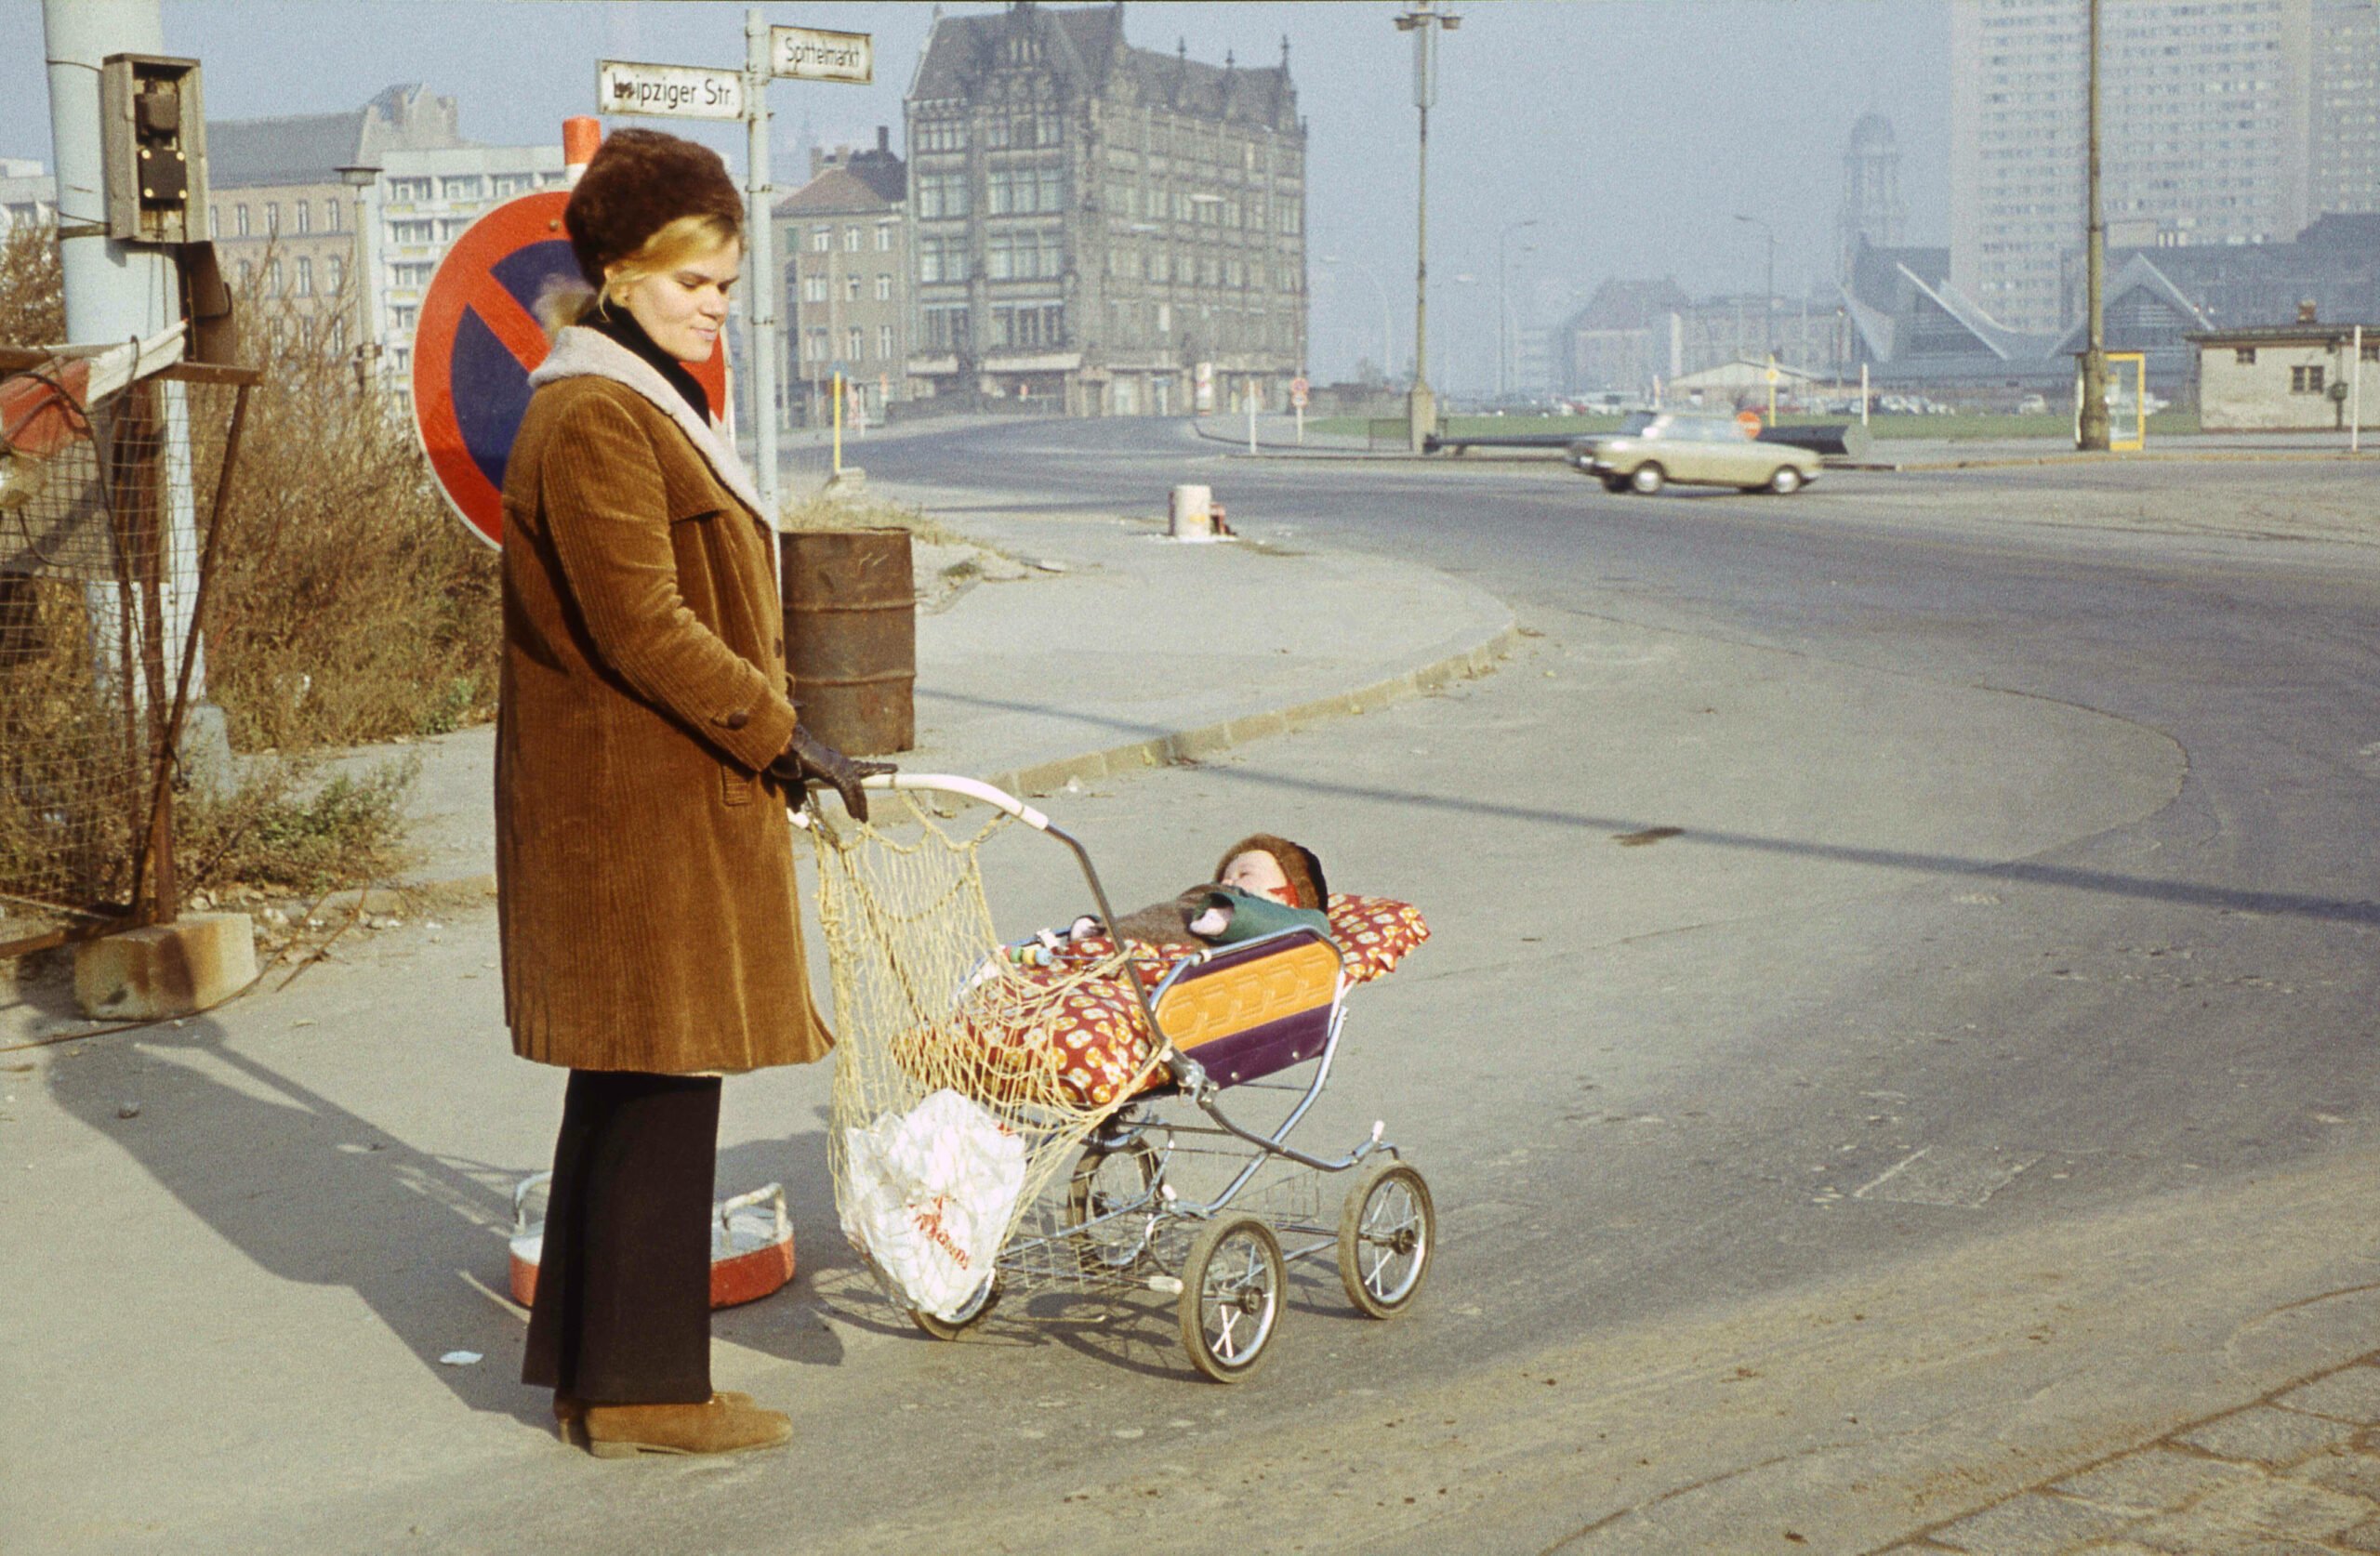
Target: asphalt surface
(1897, 1033)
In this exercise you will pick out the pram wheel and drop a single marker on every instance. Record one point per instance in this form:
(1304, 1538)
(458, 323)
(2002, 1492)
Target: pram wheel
(1107, 1182)
(1232, 1285)
(1386, 1235)
(977, 1306)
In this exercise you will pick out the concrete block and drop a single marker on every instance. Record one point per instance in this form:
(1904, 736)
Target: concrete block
(193, 964)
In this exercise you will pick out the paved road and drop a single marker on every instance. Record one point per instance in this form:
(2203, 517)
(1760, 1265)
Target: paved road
(1976, 1087)
(2021, 917)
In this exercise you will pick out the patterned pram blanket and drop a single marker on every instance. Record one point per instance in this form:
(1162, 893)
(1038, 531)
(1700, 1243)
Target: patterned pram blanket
(1092, 1046)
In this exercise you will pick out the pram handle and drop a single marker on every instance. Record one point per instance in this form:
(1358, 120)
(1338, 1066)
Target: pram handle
(974, 789)
(1183, 1070)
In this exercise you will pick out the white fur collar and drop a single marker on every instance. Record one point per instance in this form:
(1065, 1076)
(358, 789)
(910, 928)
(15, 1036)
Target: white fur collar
(582, 354)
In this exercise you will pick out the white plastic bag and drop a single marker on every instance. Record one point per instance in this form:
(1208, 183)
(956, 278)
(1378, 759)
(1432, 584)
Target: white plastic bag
(929, 1197)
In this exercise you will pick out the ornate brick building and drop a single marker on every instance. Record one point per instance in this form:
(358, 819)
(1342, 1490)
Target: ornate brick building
(1109, 230)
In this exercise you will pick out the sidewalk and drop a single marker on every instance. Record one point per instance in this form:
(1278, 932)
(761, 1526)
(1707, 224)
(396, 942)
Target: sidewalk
(1105, 648)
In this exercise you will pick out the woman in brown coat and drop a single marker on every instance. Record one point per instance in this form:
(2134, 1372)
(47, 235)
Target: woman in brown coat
(646, 739)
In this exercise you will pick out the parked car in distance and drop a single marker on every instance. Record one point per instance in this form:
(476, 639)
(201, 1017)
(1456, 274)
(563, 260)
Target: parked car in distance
(1654, 448)
(2031, 405)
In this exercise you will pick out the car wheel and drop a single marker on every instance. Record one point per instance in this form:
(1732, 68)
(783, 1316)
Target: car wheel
(1786, 482)
(1646, 480)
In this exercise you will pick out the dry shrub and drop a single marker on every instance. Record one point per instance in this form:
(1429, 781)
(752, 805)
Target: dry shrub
(351, 605)
(282, 828)
(32, 290)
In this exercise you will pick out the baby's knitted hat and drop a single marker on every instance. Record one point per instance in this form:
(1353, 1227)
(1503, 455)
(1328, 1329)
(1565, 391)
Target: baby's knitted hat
(1299, 866)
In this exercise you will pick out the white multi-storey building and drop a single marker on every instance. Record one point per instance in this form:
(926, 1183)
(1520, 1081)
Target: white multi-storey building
(421, 203)
(27, 196)
(2205, 135)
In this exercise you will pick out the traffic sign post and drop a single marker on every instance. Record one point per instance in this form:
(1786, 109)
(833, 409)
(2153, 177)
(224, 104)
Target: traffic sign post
(702, 92)
(478, 341)
(1297, 402)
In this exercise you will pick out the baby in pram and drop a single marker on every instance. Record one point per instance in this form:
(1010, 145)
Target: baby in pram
(1263, 884)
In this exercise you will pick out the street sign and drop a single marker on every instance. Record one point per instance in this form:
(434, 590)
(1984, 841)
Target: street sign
(668, 91)
(479, 339)
(815, 54)
(1298, 392)
(1772, 374)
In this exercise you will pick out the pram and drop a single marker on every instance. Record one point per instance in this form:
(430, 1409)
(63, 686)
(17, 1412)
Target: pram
(1014, 1117)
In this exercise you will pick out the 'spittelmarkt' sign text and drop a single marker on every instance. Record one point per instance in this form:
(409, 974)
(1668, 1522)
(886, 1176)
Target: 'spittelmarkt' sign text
(813, 54)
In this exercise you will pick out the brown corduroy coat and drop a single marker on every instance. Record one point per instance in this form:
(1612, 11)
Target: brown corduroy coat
(644, 869)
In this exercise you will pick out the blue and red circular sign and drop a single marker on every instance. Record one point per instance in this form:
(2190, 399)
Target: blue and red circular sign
(479, 339)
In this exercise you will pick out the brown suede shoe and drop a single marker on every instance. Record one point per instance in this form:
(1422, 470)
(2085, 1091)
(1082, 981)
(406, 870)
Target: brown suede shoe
(720, 1426)
(570, 1413)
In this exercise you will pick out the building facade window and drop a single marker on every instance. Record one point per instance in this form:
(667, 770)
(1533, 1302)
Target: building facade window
(884, 287)
(855, 343)
(884, 237)
(2244, 356)
(305, 274)
(2305, 380)
(337, 273)
(851, 240)
(330, 215)
(851, 288)
(465, 186)
(273, 278)
(814, 288)
(884, 342)
(409, 188)
(240, 219)
(946, 328)
(271, 217)
(942, 194)
(820, 240)
(304, 211)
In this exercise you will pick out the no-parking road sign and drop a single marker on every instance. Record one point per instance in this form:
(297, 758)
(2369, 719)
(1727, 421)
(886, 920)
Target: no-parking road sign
(478, 341)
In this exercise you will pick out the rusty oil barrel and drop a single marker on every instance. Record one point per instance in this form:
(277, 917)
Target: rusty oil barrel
(851, 637)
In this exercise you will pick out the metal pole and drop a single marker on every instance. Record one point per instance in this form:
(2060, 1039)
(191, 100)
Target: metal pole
(2354, 393)
(2091, 428)
(760, 243)
(1863, 394)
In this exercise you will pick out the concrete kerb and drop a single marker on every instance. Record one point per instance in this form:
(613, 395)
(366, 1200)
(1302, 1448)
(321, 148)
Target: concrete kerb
(1210, 739)
(2211, 455)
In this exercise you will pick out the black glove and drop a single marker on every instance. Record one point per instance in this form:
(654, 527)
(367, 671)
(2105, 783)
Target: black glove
(805, 761)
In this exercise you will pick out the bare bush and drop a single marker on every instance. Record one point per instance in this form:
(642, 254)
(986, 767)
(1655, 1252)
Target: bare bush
(33, 291)
(351, 606)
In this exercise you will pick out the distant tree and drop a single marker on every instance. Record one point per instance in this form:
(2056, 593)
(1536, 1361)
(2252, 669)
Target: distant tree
(32, 288)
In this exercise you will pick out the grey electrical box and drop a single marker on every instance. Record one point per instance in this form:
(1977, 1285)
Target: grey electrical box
(152, 138)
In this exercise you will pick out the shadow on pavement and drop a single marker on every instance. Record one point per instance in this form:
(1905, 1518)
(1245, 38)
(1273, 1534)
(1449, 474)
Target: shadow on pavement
(316, 1195)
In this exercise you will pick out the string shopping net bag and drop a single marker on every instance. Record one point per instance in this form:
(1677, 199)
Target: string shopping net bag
(958, 1099)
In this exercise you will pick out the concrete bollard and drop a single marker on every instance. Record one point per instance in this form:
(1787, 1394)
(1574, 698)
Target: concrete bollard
(196, 962)
(1193, 513)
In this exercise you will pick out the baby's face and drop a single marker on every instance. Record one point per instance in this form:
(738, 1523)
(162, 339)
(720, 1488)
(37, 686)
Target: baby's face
(1258, 874)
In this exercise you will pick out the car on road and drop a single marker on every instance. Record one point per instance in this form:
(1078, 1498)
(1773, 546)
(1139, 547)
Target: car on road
(1653, 449)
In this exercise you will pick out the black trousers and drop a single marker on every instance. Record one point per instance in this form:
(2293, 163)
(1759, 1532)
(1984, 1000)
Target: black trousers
(622, 1312)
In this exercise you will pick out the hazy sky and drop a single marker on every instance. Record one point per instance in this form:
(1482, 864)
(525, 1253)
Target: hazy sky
(1632, 130)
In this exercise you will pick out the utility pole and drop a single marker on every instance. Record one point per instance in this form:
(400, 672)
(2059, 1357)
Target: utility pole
(1503, 314)
(1423, 21)
(758, 196)
(2091, 425)
(1769, 299)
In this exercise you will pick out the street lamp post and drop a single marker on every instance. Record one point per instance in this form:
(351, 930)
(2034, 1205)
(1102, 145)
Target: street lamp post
(361, 177)
(1387, 359)
(2091, 418)
(1423, 21)
(1503, 315)
(1768, 299)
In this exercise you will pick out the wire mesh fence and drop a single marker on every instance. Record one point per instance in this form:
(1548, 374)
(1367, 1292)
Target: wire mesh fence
(111, 499)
